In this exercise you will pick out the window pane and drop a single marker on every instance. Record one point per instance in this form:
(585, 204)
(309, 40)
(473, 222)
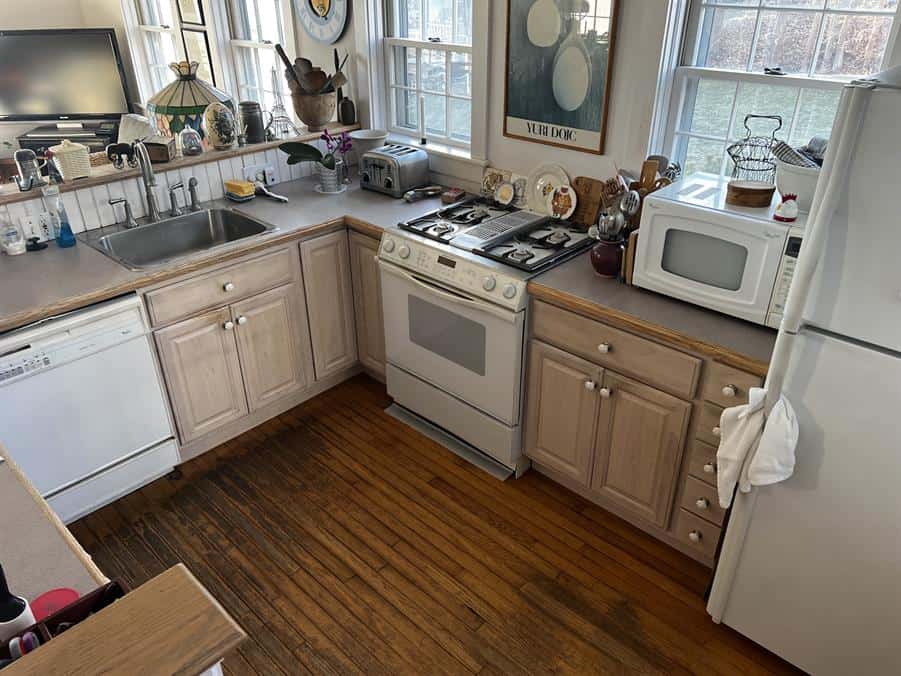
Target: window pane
(409, 19)
(813, 4)
(461, 120)
(435, 115)
(407, 109)
(889, 5)
(725, 40)
(786, 40)
(161, 48)
(461, 75)
(270, 20)
(815, 115)
(191, 11)
(156, 12)
(701, 155)
(761, 99)
(198, 50)
(463, 22)
(440, 20)
(712, 106)
(404, 67)
(853, 45)
(434, 70)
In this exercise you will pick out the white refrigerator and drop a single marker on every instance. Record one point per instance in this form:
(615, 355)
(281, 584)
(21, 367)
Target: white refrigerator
(811, 568)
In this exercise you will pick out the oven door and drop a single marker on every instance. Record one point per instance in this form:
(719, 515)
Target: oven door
(466, 347)
(722, 261)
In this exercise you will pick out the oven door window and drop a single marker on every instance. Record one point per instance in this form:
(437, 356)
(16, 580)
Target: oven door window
(704, 259)
(447, 334)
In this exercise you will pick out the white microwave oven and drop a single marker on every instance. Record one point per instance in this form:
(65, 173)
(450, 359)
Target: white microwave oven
(695, 247)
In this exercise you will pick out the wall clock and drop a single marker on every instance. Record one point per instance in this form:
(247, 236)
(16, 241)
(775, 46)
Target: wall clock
(323, 20)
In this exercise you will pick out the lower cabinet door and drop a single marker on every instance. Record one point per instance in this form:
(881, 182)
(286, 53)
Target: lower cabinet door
(275, 358)
(562, 410)
(199, 357)
(367, 285)
(640, 436)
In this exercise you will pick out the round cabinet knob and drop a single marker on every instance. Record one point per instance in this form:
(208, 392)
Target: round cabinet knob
(590, 385)
(228, 286)
(242, 320)
(489, 283)
(694, 536)
(709, 468)
(404, 251)
(388, 246)
(730, 391)
(604, 348)
(702, 503)
(605, 392)
(228, 326)
(509, 291)
(716, 431)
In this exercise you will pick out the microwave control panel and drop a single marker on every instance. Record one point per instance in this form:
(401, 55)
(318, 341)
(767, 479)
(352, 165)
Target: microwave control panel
(784, 276)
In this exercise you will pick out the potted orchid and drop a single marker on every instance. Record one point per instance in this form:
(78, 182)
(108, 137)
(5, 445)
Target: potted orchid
(331, 164)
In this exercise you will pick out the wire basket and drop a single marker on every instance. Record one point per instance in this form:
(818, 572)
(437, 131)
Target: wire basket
(753, 155)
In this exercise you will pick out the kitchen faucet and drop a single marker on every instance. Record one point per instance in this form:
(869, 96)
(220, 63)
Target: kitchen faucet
(148, 178)
(173, 199)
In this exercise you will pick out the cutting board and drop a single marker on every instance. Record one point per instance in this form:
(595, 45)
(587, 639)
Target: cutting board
(589, 197)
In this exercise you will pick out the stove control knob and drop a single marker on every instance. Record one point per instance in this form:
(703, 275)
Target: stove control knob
(388, 246)
(509, 291)
(489, 283)
(403, 251)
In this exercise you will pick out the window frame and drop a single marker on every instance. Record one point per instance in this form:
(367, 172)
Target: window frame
(681, 47)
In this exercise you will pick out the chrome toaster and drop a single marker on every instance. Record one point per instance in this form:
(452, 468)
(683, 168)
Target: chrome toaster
(394, 169)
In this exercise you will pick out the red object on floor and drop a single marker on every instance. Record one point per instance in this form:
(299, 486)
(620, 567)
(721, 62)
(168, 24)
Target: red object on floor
(49, 602)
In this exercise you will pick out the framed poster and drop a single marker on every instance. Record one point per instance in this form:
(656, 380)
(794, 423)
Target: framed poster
(559, 66)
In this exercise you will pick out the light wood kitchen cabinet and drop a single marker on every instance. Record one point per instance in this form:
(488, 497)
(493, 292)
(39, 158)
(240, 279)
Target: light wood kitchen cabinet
(270, 329)
(562, 410)
(199, 357)
(641, 432)
(367, 287)
(329, 294)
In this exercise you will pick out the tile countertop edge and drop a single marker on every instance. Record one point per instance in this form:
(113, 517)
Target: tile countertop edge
(552, 287)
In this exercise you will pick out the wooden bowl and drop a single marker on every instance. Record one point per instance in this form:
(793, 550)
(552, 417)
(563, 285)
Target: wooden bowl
(315, 110)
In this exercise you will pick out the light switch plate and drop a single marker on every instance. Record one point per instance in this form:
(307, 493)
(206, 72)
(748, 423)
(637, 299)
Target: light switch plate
(264, 173)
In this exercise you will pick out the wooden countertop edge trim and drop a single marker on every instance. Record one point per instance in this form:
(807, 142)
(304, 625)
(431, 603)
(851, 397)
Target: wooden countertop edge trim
(105, 174)
(151, 278)
(629, 322)
(170, 625)
(67, 537)
(363, 227)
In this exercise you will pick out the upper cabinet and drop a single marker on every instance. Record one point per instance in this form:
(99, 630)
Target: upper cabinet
(330, 304)
(367, 287)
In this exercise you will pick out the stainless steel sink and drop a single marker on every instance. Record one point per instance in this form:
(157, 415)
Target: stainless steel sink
(173, 238)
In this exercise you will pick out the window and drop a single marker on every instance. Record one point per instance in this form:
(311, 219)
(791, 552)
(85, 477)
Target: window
(429, 57)
(257, 26)
(818, 44)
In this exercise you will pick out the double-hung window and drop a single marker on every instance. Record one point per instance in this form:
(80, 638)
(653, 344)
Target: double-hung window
(429, 56)
(818, 45)
(257, 26)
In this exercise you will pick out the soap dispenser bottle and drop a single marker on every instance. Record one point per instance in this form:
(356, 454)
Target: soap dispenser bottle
(15, 613)
(62, 230)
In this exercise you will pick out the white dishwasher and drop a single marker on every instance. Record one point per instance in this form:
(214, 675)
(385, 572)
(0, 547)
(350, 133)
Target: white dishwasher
(82, 409)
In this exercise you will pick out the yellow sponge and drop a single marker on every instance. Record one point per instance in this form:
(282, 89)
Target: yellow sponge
(239, 188)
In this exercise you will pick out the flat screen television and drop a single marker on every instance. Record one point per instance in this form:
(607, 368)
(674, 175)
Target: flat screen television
(61, 75)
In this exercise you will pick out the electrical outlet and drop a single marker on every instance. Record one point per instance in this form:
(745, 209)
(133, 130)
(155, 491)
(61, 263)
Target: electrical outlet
(262, 173)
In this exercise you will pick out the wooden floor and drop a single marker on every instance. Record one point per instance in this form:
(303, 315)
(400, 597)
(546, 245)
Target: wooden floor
(346, 543)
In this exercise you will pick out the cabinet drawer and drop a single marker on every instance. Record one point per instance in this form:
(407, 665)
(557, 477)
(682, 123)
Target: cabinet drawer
(727, 386)
(702, 461)
(709, 424)
(700, 499)
(697, 534)
(625, 352)
(221, 286)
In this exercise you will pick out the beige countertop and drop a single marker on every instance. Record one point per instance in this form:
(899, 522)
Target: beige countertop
(39, 285)
(574, 285)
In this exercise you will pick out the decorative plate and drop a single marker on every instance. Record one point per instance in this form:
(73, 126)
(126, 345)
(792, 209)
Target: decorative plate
(505, 193)
(561, 202)
(323, 20)
(541, 183)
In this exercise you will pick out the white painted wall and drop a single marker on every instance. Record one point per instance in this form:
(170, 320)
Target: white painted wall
(636, 60)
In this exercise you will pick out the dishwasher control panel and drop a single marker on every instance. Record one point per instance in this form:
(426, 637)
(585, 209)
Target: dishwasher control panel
(23, 365)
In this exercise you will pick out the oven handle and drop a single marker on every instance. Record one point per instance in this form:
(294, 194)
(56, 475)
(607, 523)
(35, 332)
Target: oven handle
(507, 316)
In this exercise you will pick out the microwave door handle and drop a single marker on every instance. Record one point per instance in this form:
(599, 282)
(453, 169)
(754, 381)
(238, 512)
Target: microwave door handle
(509, 317)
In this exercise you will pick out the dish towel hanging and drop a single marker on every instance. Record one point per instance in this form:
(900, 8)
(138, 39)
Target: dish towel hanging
(755, 450)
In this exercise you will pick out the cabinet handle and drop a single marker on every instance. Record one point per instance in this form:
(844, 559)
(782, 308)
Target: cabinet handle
(702, 503)
(730, 391)
(694, 536)
(590, 385)
(709, 468)
(716, 431)
(604, 348)
(228, 286)
(605, 392)
(242, 320)
(229, 325)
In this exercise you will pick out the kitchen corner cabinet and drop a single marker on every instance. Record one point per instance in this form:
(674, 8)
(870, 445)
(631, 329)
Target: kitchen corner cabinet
(367, 290)
(330, 305)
